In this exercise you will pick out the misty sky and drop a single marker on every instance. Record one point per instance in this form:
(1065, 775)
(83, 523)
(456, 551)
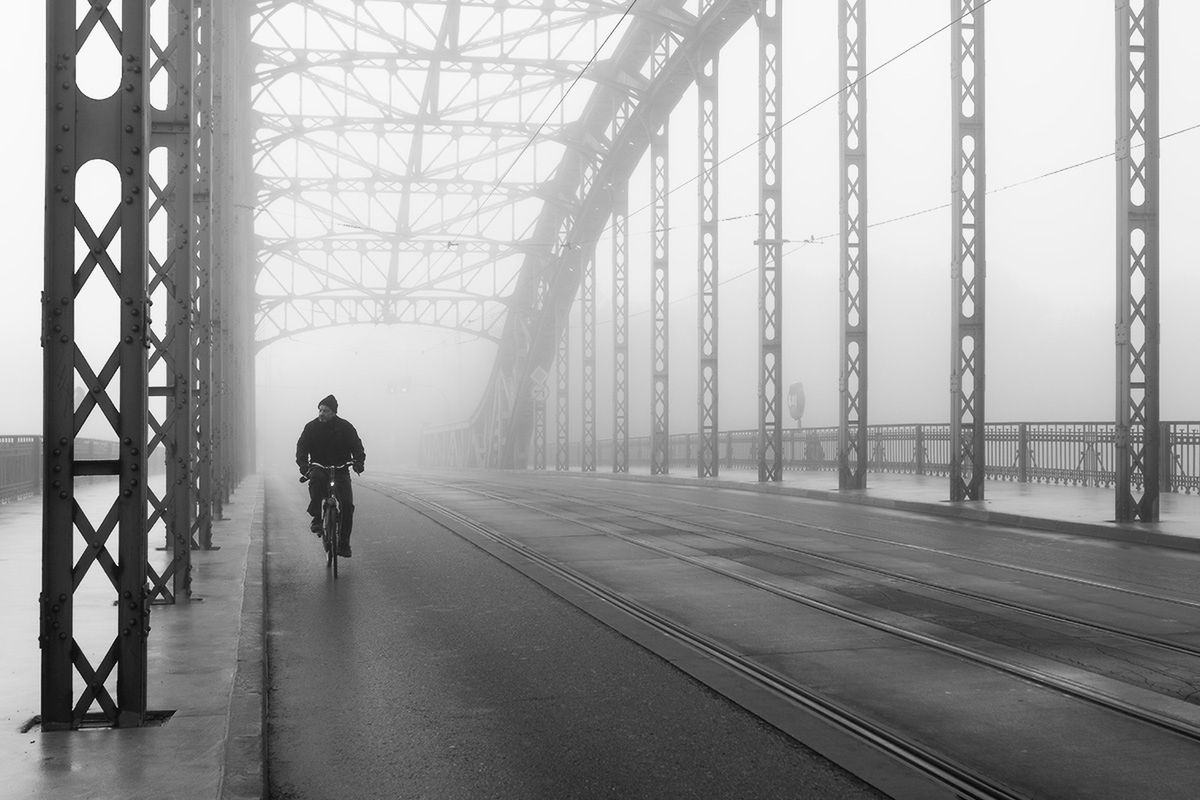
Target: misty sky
(1050, 261)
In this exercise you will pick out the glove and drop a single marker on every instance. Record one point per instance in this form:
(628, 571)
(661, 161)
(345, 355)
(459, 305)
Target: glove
(358, 469)
(303, 474)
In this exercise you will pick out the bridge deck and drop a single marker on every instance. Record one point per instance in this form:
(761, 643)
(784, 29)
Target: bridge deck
(206, 658)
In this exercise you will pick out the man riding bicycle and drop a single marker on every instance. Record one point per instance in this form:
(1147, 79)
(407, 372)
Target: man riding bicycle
(330, 440)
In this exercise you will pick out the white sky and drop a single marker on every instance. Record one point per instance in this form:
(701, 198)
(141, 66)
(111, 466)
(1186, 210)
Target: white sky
(1051, 262)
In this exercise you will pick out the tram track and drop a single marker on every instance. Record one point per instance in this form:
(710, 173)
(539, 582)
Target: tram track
(1044, 674)
(959, 779)
(1148, 708)
(892, 575)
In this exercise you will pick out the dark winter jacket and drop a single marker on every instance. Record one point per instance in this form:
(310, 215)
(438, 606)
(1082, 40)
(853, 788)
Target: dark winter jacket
(330, 443)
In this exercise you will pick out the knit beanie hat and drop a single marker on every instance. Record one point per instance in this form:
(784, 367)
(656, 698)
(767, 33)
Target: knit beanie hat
(329, 400)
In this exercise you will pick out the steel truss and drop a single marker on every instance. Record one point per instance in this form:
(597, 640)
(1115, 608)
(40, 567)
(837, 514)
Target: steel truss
(770, 241)
(116, 132)
(620, 305)
(632, 99)
(660, 301)
(171, 360)
(143, 375)
(587, 335)
(968, 260)
(1138, 438)
(852, 115)
(709, 457)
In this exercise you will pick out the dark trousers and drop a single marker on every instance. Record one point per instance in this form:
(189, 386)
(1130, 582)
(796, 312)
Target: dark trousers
(318, 486)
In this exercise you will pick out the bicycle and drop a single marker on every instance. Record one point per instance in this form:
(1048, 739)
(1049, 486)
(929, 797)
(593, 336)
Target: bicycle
(331, 516)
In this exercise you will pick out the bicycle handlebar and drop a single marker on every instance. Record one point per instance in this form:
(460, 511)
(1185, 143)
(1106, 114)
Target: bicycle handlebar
(311, 464)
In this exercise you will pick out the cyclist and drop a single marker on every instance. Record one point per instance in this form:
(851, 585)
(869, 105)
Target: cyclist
(330, 440)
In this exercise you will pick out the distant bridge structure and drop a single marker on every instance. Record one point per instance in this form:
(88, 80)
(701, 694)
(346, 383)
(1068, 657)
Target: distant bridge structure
(223, 175)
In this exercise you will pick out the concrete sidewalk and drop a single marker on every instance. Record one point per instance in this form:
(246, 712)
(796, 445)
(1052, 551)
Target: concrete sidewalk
(1076, 510)
(205, 664)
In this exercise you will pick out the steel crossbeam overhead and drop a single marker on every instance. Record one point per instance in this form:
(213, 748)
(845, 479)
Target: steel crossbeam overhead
(770, 241)
(101, 278)
(708, 460)
(968, 257)
(852, 116)
(1138, 439)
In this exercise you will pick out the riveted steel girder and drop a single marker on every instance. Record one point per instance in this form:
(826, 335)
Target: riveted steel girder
(968, 252)
(171, 288)
(852, 144)
(1138, 440)
(708, 458)
(112, 280)
(619, 120)
(770, 242)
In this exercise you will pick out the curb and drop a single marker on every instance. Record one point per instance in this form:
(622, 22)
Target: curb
(244, 775)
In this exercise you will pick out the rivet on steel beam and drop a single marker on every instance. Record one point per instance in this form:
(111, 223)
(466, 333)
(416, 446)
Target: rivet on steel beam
(62, 495)
(62, 634)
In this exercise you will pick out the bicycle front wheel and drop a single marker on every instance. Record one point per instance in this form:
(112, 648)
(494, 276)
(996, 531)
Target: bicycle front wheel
(329, 535)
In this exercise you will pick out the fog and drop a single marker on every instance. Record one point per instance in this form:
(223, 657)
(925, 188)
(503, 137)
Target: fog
(1050, 259)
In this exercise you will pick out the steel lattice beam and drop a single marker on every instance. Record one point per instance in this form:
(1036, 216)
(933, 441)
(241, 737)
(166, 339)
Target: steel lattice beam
(852, 116)
(660, 421)
(708, 457)
(587, 308)
(620, 300)
(115, 131)
(770, 242)
(562, 373)
(171, 287)
(968, 259)
(1138, 440)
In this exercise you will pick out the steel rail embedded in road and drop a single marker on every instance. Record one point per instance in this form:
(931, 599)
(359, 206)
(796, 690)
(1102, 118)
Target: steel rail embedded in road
(963, 781)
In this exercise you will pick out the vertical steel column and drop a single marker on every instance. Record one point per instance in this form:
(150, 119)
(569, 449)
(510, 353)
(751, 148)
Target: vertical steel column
(969, 262)
(708, 455)
(852, 115)
(562, 373)
(620, 299)
(221, 182)
(587, 308)
(770, 240)
(660, 436)
(115, 130)
(539, 425)
(203, 28)
(1138, 442)
(241, 272)
(171, 129)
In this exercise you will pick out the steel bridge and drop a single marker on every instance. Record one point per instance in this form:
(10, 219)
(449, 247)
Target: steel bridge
(223, 175)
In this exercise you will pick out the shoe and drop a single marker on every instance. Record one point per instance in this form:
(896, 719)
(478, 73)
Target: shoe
(315, 525)
(344, 550)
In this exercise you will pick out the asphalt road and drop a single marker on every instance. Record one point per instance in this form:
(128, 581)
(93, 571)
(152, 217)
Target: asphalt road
(432, 670)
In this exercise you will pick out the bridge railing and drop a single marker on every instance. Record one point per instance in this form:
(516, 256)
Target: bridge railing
(21, 463)
(1062, 453)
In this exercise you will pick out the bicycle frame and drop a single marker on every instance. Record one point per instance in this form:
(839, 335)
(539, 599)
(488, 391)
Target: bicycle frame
(331, 515)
